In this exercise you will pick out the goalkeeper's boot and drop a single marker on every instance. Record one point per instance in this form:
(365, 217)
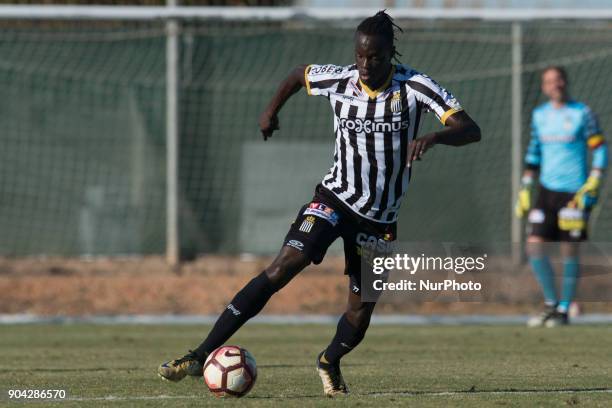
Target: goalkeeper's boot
(331, 376)
(178, 369)
(541, 319)
(557, 319)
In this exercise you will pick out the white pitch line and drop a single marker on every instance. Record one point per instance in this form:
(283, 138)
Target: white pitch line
(131, 398)
(111, 398)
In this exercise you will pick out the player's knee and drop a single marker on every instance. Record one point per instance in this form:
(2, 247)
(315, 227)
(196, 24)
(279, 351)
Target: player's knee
(534, 246)
(533, 239)
(286, 265)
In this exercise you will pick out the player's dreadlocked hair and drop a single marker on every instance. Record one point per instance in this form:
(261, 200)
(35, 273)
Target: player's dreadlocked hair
(381, 24)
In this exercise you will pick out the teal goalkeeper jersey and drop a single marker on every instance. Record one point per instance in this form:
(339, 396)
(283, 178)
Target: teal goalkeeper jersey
(560, 140)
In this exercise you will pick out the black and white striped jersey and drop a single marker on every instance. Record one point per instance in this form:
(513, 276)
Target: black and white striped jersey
(373, 129)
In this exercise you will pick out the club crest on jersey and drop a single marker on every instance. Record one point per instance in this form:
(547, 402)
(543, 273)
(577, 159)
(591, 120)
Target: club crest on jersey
(396, 102)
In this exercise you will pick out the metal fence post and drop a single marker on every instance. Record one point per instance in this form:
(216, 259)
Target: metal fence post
(516, 148)
(172, 134)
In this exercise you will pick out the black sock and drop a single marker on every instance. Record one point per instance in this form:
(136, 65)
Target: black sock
(246, 304)
(347, 338)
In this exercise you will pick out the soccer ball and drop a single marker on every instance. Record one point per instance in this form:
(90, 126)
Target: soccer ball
(230, 371)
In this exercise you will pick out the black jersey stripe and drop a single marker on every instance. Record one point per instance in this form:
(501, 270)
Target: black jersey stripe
(352, 139)
(428, 92)
(356, 162)
(415, 134)
(323, 84)
(331, 178)
(341, 89)
(371, 154)
(417, 120)
(343, 169)
(388, 145)
(404, 139)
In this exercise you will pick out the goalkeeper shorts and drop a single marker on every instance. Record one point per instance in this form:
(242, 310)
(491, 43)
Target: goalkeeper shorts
(324, 219)
(543, 220)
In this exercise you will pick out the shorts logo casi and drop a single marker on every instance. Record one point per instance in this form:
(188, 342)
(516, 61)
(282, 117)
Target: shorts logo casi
(372, 243)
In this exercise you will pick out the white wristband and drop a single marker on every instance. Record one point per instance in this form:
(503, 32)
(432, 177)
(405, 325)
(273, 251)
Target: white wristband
(597, 173)
(527, 180)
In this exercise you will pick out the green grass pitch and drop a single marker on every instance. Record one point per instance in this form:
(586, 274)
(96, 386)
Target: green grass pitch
(428, 366)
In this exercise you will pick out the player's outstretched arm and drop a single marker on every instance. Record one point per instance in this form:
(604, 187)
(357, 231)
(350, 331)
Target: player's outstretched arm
(268, 121)
(460, 130)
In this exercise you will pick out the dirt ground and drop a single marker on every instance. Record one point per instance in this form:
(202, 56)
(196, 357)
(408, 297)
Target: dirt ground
(147, 285)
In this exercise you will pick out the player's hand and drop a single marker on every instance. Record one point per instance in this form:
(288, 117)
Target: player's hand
(268, 123)
(523, 201)
(587, 196)
(419, 146)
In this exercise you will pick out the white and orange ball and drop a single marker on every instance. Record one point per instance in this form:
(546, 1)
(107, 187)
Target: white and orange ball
(230, 371)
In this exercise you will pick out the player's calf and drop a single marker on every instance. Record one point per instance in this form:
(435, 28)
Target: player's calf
(287, 264)
(349, 333)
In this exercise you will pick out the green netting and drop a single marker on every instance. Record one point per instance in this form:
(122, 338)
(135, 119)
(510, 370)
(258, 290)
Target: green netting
(83, 153)
(83, 157)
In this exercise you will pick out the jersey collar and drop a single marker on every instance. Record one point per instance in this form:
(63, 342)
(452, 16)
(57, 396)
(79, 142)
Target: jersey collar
(373, 93)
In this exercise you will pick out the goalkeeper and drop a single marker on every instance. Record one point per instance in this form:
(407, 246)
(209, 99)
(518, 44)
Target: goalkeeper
(562, 132)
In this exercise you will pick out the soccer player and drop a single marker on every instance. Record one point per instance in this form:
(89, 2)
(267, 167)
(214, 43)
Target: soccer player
(563, 130)
(377, 108)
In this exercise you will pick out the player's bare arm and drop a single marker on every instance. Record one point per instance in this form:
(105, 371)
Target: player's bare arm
(460, 130)
(268, 121)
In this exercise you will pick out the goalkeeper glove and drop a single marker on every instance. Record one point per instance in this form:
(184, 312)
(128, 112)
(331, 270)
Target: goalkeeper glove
(571, 219)
(523, 202)
(588, 194)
